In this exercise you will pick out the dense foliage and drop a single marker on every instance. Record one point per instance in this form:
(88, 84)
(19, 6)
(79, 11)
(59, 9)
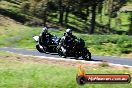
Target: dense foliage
(88, 16)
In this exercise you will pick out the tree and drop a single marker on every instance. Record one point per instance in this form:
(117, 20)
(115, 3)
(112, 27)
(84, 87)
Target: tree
(26, 6)
(34, 5)
(100, 8)
(94, 5)
(113, 8)
(42, 10)
(130, 25)
(110, 9)
(93, 17)
(67, 10)
(61, 12)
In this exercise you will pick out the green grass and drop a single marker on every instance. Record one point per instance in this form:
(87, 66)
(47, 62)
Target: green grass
(107, 44)
(17, 36)
(9, 54)
(14, 74)
(104, 64)
(124, 19)
(8, 5)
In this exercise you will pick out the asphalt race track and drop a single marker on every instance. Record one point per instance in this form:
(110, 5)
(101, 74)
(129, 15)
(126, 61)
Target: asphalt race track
(111, 59)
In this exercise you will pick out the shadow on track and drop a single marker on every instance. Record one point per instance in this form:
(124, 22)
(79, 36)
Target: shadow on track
(87, 60)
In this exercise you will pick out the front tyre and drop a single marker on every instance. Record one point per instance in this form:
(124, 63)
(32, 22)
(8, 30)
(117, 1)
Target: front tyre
(86, 55)
(39, 49)
(60, 52)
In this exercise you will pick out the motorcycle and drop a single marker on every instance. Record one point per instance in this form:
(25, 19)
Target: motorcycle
(49, 45)
(75, 49)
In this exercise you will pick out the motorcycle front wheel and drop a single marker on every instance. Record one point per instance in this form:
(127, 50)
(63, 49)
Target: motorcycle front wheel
(40, 49)
(86, 54)
(60, 53)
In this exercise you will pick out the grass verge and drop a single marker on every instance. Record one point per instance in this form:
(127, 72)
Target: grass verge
(29, 72)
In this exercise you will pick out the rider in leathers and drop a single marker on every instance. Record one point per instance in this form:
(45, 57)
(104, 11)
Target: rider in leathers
(44, 37)
(66, 40)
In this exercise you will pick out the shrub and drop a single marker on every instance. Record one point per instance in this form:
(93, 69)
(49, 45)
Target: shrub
(104, 64)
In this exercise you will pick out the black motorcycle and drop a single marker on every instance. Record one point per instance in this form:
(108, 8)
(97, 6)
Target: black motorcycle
(75, 49)
(49, 45)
